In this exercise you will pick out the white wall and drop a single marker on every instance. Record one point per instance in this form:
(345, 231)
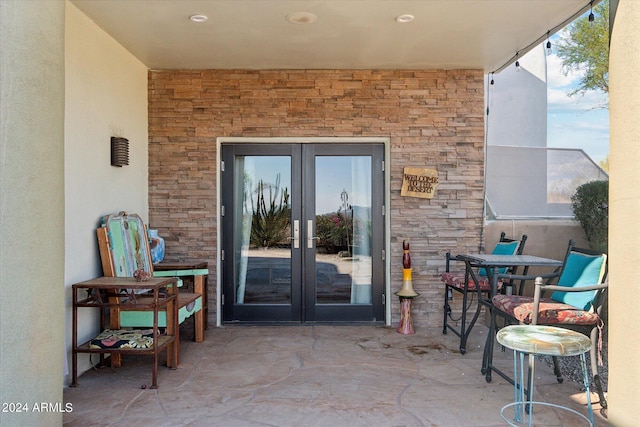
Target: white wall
(106, 90)
(31, 209)
(518, 103)
(516, 176)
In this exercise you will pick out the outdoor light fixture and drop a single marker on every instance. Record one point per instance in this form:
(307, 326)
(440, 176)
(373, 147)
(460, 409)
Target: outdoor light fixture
(492, 82)
(198, 18)
(301, 18)
(548, 44)
(119, 151)
(403, 19)
(591, 15)
(517, 63)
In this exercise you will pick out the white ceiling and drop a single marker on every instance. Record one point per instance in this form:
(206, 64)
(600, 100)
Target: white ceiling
(351, 34)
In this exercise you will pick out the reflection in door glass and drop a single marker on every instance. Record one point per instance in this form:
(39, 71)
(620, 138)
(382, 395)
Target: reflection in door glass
(343, 230)
(262, 226)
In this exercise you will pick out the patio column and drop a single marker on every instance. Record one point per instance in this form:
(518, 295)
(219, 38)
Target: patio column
(31, 210)
(624, 206)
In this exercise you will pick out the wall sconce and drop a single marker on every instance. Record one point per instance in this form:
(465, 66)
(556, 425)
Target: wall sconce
(119, 151)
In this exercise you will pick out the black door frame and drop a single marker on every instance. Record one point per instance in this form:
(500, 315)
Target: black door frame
(326, 146)
(275, 312)
(339, 312)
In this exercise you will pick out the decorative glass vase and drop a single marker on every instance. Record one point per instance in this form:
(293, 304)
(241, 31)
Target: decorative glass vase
(156, 244)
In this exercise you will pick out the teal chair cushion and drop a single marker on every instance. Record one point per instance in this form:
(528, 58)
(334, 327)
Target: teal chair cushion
(502, 248)
(580, 270)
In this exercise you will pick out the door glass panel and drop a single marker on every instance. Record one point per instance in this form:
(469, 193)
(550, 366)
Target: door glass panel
(343, 229)
(262, 227)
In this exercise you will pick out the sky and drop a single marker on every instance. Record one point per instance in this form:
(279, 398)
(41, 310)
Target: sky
(334, 174)
(575, 122)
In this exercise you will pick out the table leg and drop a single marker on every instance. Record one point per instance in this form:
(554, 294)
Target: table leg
(585, 379)
(488, 347)
(74, 340)
(523, 402)
(173, 328)
(466, 329)
(487, 355)
(199, 317)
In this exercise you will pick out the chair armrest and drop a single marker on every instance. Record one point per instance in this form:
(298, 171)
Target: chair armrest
(511, 278)
(527, 277)
(450, 258)
(568, 289)
(539, 288)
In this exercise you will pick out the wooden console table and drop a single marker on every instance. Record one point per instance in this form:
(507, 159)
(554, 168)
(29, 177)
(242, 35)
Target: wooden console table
(157, 294)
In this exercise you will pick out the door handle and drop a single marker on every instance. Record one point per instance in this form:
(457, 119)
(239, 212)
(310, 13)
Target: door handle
(310, 236)
(296, 234)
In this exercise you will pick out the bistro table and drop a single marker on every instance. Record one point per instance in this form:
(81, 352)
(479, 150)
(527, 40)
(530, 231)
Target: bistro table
(491, 263)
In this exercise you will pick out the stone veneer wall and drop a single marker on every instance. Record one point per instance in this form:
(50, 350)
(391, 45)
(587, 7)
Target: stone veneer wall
(434, 119)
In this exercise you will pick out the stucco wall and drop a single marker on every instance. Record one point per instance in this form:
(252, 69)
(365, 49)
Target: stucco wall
(624, 205)
(31, 210)
(106, 92)
(517, 103)
(434, 119)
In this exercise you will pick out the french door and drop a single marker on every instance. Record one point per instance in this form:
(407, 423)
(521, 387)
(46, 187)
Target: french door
(302, 232)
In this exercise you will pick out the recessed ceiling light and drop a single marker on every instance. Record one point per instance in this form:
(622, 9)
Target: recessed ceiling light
(301, 17)
(198, 18)
(404, 18)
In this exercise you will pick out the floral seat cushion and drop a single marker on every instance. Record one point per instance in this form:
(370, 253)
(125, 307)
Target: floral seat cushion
(456, 280)
(123, 338)
(549, 311)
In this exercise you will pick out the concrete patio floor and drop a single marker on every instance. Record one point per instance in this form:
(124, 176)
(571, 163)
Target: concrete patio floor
(316, 375)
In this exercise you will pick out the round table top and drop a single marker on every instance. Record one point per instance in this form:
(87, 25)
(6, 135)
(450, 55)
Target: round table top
(547, 340)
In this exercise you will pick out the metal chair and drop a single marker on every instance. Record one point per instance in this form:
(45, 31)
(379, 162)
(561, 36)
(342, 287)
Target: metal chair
(578, 298)
(469, 283)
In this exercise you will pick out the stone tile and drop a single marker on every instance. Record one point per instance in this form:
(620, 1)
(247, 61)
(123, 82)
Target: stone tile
(314, 376)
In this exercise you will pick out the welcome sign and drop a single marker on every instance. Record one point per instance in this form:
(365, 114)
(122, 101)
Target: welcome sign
(419, 182)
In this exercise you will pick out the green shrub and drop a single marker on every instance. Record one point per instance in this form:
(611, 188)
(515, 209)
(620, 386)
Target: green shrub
(590, 205)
